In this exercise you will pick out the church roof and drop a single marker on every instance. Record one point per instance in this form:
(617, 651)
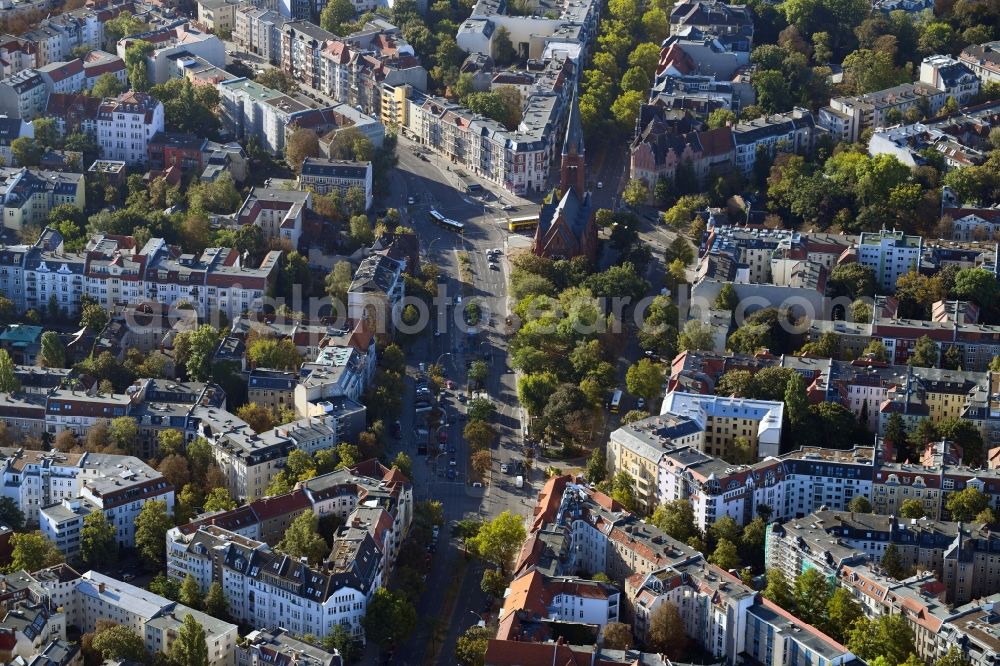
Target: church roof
(574, 130)
(568, 216)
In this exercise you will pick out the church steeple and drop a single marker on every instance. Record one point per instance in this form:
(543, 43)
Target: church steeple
(573, 168)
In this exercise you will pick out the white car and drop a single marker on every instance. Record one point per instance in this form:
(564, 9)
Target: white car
(600, 185)
(641, 403)
(410, 200)
(504, 469)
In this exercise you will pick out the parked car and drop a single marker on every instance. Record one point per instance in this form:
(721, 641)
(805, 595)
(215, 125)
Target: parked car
(504, 469)
(410, 200)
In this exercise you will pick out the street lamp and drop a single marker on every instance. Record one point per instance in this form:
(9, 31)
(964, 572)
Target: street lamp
(438, 361)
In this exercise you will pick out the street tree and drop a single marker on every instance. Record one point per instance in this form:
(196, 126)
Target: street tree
(493, 583)
(389, 618)
(499, 540)
(470, 648)
(479, 435)
(644, 379)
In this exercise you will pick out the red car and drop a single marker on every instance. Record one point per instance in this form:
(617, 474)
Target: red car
(450, 384)
(443, 436)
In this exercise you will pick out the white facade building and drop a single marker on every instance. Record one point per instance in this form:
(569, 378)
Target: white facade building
(890, 254)
(125, 126)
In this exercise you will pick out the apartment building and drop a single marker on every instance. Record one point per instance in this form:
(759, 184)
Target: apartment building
(217, 15)
(576, 528)
(324, 176)
(250, 109)
(280, 213)
(333, 382)
(15, 55)
(639, 447)
(952, 75)
(259, 30)
(11, 129)
(724, 420)
(889, 254)
(196, 155)
(32, 622)
(249, 460)
(175, 40)
(983, 60)
(376, 293)
(713, 18)
(720, 627)
(561, 599)
(64, 77)
(74, 113)
(126, 124)
(274, 389)
(114, 271)
(56, 37)
(117, 485)
(156, 619)
(957, 138)
(24, 95)
(959, 555)
(791, 132)
(265, 588)
(276, 646)
(28, 195)
(662, 147)
(98, 63)
(302, 44)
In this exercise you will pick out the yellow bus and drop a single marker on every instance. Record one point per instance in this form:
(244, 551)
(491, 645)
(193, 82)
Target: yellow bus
(523, 223)
(616, 401)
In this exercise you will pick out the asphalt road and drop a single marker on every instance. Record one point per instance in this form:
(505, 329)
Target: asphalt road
(431, 184)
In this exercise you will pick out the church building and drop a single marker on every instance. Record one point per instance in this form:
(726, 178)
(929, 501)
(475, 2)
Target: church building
(566, 226)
